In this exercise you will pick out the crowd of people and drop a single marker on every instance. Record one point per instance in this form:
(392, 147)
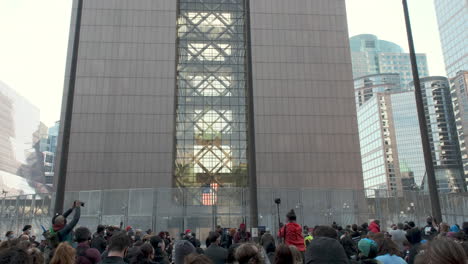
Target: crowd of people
(65, 243)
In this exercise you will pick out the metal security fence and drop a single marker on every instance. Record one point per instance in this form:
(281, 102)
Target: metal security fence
(201, 209)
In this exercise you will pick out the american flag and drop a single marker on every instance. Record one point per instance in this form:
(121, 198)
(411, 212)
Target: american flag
(209, 196)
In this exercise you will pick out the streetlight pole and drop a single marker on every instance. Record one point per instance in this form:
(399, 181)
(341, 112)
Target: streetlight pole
(431, 179)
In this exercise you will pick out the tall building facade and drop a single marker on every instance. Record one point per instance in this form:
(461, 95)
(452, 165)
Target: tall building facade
(459, 94)
(451, 17)
(442, 134)
(196, 93)
(391, 147)
(371, 55)
(20, 130)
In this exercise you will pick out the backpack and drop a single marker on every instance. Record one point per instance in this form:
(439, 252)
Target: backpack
(52, 238)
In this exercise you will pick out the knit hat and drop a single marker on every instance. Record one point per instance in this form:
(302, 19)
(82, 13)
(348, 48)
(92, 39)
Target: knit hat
(128, 228)
(455, 229)
(182, 248)
(188, 231)
(365, 246)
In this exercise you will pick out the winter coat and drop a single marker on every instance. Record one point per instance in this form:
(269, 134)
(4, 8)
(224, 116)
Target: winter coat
(293, 235)
(87, 255)
(374, 227)
(99, 242)
(217, 254)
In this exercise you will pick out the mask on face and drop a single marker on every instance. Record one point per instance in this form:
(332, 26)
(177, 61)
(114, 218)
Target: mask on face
(11, 236)
(28, 231)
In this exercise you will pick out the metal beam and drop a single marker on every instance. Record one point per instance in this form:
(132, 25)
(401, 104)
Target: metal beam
(62, 171)
(431, 179)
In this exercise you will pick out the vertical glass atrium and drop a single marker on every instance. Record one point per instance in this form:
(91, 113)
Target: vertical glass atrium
(211, 106)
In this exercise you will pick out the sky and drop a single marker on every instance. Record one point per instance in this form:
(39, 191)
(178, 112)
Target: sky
(34, 41)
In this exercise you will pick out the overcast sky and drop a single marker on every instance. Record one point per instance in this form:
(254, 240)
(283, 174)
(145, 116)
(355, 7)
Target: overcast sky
(34, 39)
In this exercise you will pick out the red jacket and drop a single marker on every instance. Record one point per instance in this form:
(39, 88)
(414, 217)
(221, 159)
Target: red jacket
(293, 235)
(374, 228)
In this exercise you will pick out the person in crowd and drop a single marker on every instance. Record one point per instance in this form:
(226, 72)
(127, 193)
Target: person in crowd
(215, 252)
(109, 231)
(368, 251)
(365, 229)
(14, 255)
(324, 249)
(283, 255)
(355, 234)
(308, 237)
(36, 256)
(117, 249)
(248, 253)
(84, 253)
(144, 255)
(291, 232)
(429, 231)
(442, 250)
(374, 227)
(444, 228)
(225, 243)
(60, 226)
(325, 231)
(242, 235)
(267, 239)
(414, 238)
(159, 246)
(349, 246)
(197, 259)
(64, 254)
(399, 236)
(182, 249)
(9, 235)
(99, 242)
(389, 253)
(26, 231)
(270, 252)
(297, 255)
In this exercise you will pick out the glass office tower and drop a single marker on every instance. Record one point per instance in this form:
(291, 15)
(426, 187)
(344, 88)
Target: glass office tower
(371, 55)
(442, 134)
(453, 22)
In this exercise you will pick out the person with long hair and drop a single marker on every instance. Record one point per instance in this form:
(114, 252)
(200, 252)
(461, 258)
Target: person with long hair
(389, 253)
(442, 250)
(144, 255)
(64, 254)
(283, 255)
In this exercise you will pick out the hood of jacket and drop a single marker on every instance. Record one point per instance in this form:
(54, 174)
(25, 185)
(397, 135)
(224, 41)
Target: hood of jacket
(325, 250)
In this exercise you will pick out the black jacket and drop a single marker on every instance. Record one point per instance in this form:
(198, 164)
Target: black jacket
(217, 254)
(324, 250)
(99, 243)
(113, 260)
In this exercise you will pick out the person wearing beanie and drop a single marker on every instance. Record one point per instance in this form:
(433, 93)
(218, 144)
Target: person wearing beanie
(291, 232)
(368, 249)
(182, 249)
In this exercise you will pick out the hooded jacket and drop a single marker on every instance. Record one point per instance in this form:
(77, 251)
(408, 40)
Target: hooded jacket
(325, 250)
(374, 227)
(292, 234)
(242, 235)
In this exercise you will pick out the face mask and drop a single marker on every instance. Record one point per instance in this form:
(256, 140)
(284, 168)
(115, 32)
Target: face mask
(11, 236)
(27, 232)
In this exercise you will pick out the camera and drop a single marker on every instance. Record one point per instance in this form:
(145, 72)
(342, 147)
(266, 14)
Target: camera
(82, 204)
(277, 201)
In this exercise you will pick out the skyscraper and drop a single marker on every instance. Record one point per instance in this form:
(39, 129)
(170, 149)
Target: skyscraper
(20, 159)
(459, 94)
(442, 134)
(212, 93)
(49, 148)
(452, 20)
(371, 55)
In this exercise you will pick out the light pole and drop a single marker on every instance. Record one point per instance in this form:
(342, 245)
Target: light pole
(431, 180)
